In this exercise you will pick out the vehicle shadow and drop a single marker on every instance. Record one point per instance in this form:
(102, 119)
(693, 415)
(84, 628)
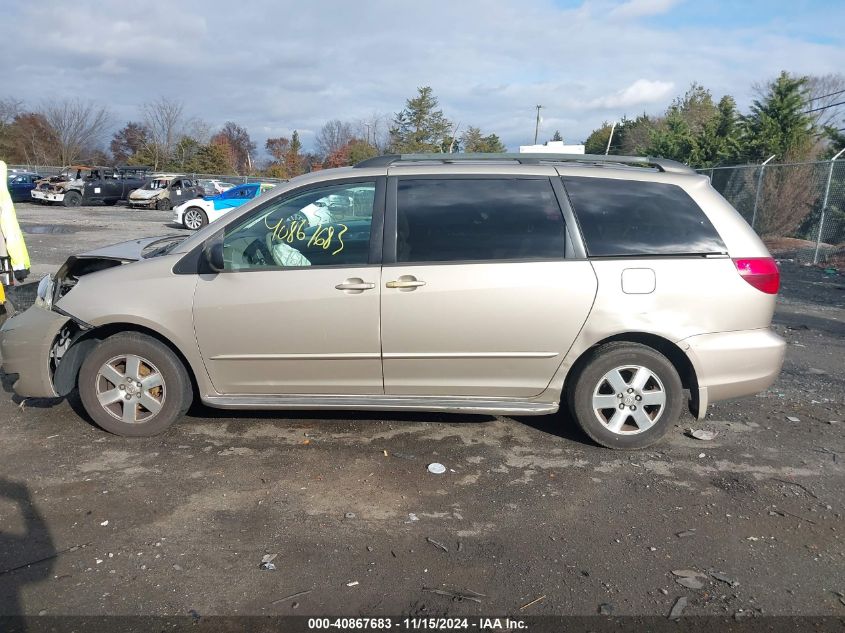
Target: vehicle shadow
(27, 551)
(559, 425)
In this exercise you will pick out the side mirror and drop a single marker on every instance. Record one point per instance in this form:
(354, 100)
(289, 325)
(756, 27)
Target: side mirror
(214, 256)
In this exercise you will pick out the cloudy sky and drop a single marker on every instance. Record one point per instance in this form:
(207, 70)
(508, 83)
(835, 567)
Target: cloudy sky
(278, 65)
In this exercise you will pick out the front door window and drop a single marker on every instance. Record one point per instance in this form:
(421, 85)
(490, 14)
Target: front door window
(329, 226)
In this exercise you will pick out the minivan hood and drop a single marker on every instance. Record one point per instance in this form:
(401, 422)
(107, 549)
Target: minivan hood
(133, 250)
(99, 259)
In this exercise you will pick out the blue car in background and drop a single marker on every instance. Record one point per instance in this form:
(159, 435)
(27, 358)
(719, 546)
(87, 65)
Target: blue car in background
(195, 214)
(20, 183)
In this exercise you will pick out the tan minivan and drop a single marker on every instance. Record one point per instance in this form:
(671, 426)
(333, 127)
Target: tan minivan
(496, 284)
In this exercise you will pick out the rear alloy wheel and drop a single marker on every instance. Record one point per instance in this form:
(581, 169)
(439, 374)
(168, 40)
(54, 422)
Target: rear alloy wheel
(163, 204)
(194, 218)
(132, 384)
(626, 396)
(72, 199)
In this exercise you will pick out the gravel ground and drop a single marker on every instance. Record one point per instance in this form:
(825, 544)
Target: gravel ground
(528, 511)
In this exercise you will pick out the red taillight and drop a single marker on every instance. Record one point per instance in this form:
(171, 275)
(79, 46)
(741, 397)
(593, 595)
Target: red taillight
(760, 272)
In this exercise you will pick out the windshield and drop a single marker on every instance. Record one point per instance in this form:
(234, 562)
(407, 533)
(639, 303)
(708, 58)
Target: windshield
(158, 183)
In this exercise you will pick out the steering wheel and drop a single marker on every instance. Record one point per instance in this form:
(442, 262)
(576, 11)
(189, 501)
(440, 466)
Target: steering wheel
(258, 255)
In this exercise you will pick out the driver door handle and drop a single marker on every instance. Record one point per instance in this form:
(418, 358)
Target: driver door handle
(355, 285)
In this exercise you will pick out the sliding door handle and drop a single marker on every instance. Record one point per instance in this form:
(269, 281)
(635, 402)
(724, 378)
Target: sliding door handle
(407, 282)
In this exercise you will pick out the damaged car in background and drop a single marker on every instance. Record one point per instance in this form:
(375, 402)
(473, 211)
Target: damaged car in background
(164, 191)
(84, 184)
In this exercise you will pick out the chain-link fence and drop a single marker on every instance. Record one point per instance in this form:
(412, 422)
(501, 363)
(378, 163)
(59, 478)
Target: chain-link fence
(798, 209)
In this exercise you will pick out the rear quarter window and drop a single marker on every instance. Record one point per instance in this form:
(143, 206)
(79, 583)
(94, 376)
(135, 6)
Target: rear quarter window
(632, 217)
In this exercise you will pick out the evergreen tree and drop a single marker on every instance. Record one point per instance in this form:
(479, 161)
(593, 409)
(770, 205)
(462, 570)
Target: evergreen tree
(778, 124)
(474, 141)
(421, 126)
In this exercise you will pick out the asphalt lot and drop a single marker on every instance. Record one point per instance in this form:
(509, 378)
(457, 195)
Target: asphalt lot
(527, 511)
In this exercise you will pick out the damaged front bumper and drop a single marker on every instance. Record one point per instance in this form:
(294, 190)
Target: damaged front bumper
(27, 342)
(47, 196)
(148, 203)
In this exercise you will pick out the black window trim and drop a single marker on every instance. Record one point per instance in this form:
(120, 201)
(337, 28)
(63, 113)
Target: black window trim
(389, 258)
(193, 262)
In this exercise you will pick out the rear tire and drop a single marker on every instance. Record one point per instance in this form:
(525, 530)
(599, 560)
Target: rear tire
(626, 396)
(194, 218)
(132, 384)
(72, 199)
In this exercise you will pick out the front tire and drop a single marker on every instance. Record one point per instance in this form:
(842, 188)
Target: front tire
(194, 218)
(132, 384)
(72, 199)
(164, 204)
(626, 396)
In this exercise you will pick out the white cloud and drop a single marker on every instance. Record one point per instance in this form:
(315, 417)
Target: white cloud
(279, 65)
(641, 8)
(640, 93)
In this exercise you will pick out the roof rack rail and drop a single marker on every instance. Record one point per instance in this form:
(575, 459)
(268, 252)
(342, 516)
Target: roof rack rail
(663, 164)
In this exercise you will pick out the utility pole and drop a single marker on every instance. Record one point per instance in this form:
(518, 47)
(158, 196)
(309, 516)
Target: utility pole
(610, 138)
(759, 185)
(537, 124)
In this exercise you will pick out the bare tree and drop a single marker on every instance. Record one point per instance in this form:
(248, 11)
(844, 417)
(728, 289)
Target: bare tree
(79, 127)
(334, 135)
(33, 140)
(164, 118)
(9, 109)
(786, 199)
(375, 131)
(199, 130)
(241, 146)
(825, 91)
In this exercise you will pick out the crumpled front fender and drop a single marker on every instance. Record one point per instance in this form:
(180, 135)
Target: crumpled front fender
(25, 343)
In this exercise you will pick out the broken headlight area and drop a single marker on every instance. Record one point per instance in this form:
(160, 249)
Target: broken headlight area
(76, 267)
(44, 294)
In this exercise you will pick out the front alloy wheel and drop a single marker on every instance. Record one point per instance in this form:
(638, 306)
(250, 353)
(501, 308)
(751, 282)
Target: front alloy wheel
(130, 388)
(134, 384)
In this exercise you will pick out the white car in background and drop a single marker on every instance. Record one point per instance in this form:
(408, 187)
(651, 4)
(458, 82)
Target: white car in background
(195, 214)
(212, 186)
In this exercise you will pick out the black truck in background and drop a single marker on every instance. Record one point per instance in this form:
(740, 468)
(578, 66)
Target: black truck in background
(83, 184)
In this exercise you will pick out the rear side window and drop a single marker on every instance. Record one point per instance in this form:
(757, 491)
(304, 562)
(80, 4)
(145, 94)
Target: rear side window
(445, 220)
(632, 217)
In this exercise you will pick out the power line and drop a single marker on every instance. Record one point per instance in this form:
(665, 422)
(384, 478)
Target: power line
(825, 107)
(832, 94)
